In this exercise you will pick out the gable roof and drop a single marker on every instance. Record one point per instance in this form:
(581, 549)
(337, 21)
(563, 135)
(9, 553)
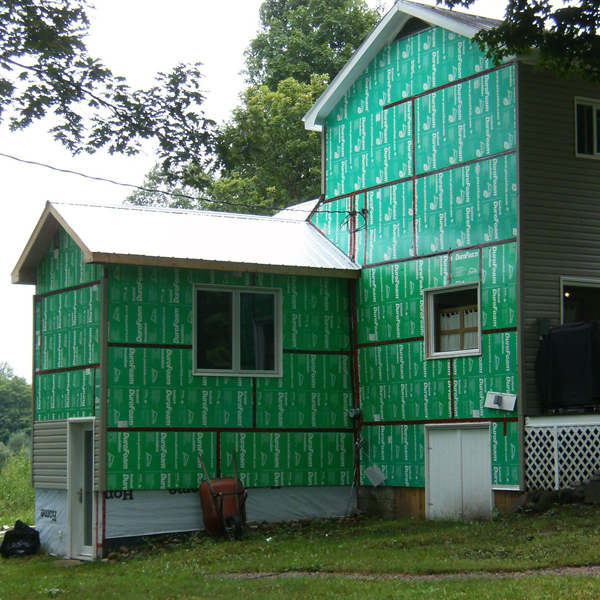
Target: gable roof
(383, 34)
(297, 212)
(187, 239)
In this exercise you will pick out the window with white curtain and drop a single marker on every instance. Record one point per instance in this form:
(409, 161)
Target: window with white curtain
(452, 321)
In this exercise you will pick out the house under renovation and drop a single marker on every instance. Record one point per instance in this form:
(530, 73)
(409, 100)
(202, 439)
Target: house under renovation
(376, 348)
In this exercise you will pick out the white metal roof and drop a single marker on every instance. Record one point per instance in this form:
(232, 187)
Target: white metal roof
(194, 239)
(383, 34)
(297, 212)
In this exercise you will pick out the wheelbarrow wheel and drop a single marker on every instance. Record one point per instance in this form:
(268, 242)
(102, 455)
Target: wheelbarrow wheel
(236, 526)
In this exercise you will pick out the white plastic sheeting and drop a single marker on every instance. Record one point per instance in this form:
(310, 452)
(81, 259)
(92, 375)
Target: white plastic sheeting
(51, 520)
(283, 504)
(134, 513)
(130, 514)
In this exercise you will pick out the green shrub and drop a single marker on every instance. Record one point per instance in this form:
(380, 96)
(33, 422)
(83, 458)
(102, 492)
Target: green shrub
(16, 495)
(19, 440)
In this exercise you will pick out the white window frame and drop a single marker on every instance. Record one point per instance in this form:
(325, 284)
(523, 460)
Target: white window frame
(236, 370)
(595, 104)
(430, 320)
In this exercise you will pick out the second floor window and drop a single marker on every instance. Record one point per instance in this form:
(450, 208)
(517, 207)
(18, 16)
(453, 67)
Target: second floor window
(453, 323)
(587, 125)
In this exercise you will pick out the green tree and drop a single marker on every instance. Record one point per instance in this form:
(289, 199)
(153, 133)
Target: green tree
(564, 39)
(45, 70)
(267, 157)
(15, 403)
(19, 441)
(162, 192)
(264, 159)
(299, 38)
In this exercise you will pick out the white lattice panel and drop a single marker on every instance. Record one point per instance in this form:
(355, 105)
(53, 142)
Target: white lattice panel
(556, 455)
(540, 458)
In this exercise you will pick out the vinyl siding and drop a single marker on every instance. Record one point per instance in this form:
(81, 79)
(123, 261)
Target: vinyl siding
(49, 455)
(559, 208)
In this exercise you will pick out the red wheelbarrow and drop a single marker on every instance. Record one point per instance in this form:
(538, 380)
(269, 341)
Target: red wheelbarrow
(223, 502)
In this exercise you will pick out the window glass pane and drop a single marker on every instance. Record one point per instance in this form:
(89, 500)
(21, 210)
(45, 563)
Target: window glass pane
(455, 320)
(471, 318)
(257, 332)
(470, 340)
(213, 330)
(597, 131)
(585, 129)
(450, 342)
(581, 304)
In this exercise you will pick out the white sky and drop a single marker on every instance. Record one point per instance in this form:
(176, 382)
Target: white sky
(135, 38)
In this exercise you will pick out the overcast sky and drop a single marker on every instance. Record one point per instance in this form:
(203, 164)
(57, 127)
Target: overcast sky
(135, 38)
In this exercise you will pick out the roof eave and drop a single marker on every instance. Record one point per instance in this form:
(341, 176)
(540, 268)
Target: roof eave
(25, 271)
(383, 34)
(215, 265)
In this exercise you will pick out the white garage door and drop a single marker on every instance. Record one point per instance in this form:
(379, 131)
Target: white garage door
(459, 473)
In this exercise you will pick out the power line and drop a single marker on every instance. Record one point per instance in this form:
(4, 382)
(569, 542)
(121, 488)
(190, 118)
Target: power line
(131, 185)
(157, 191)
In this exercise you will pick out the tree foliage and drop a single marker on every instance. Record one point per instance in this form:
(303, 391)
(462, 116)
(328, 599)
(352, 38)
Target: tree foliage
(565, 39)
(299, 38)
(167, 193)
(267, 157)
(15, 403)
(45, 70)
(264, 158)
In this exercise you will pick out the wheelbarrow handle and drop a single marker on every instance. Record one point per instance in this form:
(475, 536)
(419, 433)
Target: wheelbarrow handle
(235, 474)
(214, 497)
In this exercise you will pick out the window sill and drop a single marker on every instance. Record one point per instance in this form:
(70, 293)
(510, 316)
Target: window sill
(454, 354)
(236, 374)
(592, 156)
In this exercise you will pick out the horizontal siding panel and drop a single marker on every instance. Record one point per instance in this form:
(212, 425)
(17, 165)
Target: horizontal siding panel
(47, 459)
(51, 484)
(554, 203)
(48, 465)
(57, 475)
(41, 433)
(559, 230)
(97, 455)
(49, 455)
(52, 445)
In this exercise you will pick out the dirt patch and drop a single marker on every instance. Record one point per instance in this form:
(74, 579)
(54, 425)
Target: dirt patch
(587, 571)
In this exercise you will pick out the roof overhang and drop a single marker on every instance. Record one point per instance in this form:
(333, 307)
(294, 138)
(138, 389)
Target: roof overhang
(383, 34)
(51, 220)
(186, 239)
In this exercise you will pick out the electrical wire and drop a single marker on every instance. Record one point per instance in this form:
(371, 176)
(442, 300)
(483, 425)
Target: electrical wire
(131, 185)
(252, 207)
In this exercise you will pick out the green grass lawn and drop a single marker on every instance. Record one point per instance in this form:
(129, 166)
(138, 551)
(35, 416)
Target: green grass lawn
(333, 559)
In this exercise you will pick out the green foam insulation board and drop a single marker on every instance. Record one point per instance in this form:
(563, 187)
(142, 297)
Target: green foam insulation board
(62, 266)
(69, 328)
(161, 460)
(66, 395)
(289, 459)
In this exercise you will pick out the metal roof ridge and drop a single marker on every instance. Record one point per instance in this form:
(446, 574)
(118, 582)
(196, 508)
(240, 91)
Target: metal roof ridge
(176, 211)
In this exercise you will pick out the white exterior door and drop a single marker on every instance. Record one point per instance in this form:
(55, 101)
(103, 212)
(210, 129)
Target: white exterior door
(458, 473)
(81, 487)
